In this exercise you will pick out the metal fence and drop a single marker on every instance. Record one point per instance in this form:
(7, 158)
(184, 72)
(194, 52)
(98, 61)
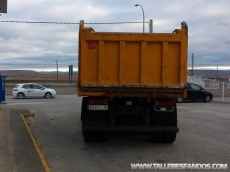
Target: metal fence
(219, 89)
(15, 81)
(211, 84)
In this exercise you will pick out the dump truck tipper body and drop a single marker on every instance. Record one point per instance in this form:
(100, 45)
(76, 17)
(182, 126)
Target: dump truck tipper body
(129, 81)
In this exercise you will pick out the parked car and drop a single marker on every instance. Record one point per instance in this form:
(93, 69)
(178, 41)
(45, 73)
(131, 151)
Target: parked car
(32, 90)
(196, 92)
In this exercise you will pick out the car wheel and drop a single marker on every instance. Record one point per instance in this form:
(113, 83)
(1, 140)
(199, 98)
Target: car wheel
(207, 99)
(48, 95)
(21, 95)
(179, 100)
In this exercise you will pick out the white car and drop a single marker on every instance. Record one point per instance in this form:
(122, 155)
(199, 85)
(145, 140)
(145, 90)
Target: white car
(32, 90)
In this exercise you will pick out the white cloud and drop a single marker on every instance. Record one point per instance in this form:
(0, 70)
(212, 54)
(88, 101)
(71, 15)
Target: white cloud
(208, 23)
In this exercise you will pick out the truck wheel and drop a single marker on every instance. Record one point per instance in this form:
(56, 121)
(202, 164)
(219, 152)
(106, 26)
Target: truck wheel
(84, 108)
(101, 136)
(169, 137)
(155, 137)
(89, 136)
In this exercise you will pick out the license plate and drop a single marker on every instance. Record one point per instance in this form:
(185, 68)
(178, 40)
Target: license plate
(98, 107)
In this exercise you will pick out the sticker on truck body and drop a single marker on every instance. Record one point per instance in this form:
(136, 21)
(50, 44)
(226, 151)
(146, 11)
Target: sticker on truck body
(91, 45)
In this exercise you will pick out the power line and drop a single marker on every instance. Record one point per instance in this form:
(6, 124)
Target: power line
(65, 22)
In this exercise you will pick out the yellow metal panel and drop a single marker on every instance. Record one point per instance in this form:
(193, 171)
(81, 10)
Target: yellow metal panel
(122, 63)
(110, 61)
(91, 64)
(101, 62)
(153, 62)
(82, 61)
(132, 63)
(164, 64)
(153, 37)
(183, 61)
(144, 63)
(173, 64)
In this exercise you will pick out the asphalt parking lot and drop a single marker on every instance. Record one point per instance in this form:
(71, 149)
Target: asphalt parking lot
(204, 137)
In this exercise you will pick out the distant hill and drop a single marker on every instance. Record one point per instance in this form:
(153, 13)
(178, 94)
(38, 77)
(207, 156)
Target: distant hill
(204, 73)
(212, 73)
(55, 72)
(18, 72)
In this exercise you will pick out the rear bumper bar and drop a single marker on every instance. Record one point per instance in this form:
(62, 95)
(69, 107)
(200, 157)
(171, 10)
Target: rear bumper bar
(90, 127)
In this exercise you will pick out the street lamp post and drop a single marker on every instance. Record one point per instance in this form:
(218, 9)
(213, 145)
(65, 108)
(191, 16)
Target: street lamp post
(143, 16)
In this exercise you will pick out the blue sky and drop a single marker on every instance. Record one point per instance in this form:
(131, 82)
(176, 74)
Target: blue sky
(38, 46)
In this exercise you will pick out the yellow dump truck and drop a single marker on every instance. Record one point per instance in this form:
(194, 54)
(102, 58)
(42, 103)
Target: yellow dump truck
(129, 82)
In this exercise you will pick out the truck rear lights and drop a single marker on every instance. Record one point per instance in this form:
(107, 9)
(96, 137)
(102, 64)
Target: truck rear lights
(97, 101)
(167, 106)
(165, 103)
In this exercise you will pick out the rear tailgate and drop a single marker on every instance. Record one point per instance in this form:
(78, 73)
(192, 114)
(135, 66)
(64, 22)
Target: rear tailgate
(132, 64)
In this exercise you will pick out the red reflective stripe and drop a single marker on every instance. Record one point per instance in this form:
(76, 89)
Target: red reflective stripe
(97, 101)
(165, 103)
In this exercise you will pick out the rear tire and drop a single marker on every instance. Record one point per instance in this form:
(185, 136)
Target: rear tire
(169, 137)
(89, 136)
(101, 136)
(21, 95)
(84, 108)
(156, 137)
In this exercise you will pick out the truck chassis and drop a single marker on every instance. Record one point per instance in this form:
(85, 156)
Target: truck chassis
(129, 114)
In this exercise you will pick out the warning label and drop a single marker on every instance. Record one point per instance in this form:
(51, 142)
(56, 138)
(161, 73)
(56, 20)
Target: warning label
(91, 45)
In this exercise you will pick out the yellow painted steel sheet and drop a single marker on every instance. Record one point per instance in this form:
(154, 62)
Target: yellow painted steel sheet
(109, 60)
